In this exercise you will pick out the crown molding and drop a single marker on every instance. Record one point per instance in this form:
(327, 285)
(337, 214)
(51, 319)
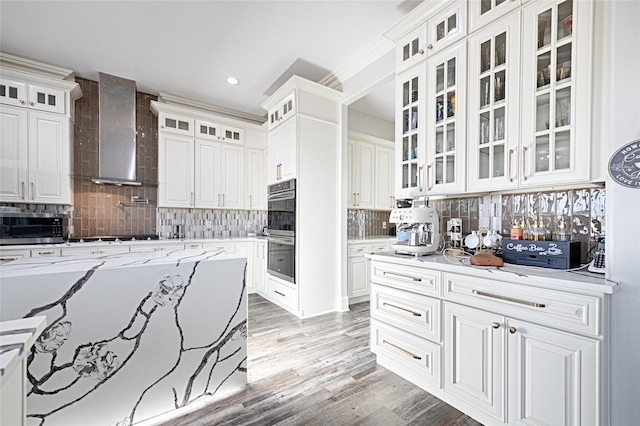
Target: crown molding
(212, 109)
(35, 67)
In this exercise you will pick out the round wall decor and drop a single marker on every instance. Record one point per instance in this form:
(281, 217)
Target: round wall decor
(624, 165)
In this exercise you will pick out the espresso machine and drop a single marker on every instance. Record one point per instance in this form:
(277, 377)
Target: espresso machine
(417, 230)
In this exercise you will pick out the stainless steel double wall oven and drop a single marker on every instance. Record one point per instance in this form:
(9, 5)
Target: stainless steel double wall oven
(281, 221)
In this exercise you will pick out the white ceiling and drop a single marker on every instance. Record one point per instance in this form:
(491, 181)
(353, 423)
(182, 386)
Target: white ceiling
(189, 48)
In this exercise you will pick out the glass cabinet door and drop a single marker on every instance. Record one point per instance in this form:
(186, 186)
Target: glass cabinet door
(493, 99)
(549, 91)
(447, 27)
(409, 132)
(485, 12)
(446, 121)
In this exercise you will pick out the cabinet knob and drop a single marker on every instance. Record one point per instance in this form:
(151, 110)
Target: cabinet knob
(22, 101)
(512, 330)
(495, 325)
(31, 103)
(421, 51)
(429, 46)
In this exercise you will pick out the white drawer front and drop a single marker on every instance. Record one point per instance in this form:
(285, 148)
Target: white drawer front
(415, 313)
(418, 357)
(358, 249)
(376, 248)
(415, 279)
(558, 309)
(283, 295)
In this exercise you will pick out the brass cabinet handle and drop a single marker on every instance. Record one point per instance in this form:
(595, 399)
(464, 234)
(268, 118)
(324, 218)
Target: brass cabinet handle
(8, 259)
(358, 198)
(194, 246)
(33, 190)
(409, 311)
(421, 51)
(509, 299)
(495, 325)
(250, 201)
(512, 330)
(402, 351)
(429, 46)
(45, 253)
(509, 165)
(428, 176)
(404, 277)
(354, 199)
(420, 178)
(524, 163)
(23, 194)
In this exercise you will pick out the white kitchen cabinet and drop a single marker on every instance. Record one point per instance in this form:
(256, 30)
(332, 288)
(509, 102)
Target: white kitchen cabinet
(474, 361)
(176, 170)
(485, 12)
(36, 156)
(255, 180)
(9, 255)
(32, 96)
(555, 93)
(175, 123)
(384, 183)
(94, 250)
(259, 266)
(45, 252)
(553, 376)
(494, 108)
(218, 132)
(358, 275)
(411, 49)
(282, 111)
(410, 132)
(199, 173)
(362, 176)
(446, 27)
(446, 122)
(281, 152)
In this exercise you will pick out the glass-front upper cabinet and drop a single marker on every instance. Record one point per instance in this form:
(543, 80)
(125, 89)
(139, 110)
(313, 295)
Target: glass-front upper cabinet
(446, 127)
(410, 119)
(492, 137)
(554, 64)
(411, 49)
(484, 12)
(447, 27)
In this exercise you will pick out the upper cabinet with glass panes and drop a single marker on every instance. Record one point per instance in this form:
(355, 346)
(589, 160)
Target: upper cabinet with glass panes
(411, 48)
(555, 88)
(447, 27)
(485, 12)
(13, 92)
(446, 115)
(282, 111)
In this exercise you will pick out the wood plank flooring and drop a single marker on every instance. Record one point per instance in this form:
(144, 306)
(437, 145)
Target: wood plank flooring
(319, 371)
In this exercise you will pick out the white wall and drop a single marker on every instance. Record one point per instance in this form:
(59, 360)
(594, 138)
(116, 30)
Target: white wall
(623, 209)
(370, 125)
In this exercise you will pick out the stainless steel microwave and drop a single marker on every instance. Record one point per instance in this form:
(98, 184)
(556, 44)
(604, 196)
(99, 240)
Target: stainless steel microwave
(32, 228)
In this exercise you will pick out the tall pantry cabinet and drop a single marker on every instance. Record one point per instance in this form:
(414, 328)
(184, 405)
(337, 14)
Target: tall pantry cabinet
(36, 112)
(304, 144)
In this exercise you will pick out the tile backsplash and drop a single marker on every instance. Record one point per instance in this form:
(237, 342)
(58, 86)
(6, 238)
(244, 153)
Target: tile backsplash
(583, 210)
(365, 223)
(209, 223)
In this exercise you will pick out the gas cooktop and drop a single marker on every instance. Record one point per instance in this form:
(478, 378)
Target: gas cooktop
(109, 238)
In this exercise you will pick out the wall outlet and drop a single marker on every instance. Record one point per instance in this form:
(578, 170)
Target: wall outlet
(208, 224)
(384, 225)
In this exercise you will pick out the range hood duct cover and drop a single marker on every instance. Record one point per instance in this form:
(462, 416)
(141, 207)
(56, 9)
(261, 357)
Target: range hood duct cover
(117, 133)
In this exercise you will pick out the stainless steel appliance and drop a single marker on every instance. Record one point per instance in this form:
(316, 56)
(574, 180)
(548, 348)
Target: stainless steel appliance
(417, 230)
(281, 222)
(32, 228)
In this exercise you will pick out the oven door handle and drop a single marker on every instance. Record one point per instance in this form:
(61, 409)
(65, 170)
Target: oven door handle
(281, 240)
(280, 196)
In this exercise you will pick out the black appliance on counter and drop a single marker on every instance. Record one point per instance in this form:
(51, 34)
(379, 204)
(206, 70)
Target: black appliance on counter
(32, 228)
(548, 254)
(281, 222)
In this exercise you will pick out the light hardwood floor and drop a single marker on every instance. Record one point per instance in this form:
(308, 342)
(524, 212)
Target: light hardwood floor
(319, 371)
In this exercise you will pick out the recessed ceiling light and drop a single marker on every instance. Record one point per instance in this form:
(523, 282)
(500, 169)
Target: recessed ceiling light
(232, 80)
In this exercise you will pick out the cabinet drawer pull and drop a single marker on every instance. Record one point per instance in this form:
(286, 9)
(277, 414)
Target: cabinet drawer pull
(8, 259)
(194, 246)
(23, 193)
(509, 165)
(277, 292)
(409, 311)
(404, 277)
(44, 253)
(509, 299)
(524, 163)
(402, 351)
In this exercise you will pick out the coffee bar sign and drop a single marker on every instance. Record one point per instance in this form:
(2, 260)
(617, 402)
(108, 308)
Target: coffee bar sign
(624, 165)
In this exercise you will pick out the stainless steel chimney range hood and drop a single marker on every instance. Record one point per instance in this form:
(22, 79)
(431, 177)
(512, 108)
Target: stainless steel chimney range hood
(117, 131)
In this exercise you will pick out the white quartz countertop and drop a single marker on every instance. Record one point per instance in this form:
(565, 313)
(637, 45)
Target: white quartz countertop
(372, 239)
(80, 263)
(176, 241)
(580, 280)
(16, 339)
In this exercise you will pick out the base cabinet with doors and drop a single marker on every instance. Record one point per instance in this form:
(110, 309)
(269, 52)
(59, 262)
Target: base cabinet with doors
(503, 349)
(36, 113)
(358, 288)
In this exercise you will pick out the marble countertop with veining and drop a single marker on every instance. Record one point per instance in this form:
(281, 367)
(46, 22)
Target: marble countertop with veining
(16, 339)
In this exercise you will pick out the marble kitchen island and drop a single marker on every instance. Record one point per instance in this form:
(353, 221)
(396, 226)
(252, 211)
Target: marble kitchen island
(129, 336)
